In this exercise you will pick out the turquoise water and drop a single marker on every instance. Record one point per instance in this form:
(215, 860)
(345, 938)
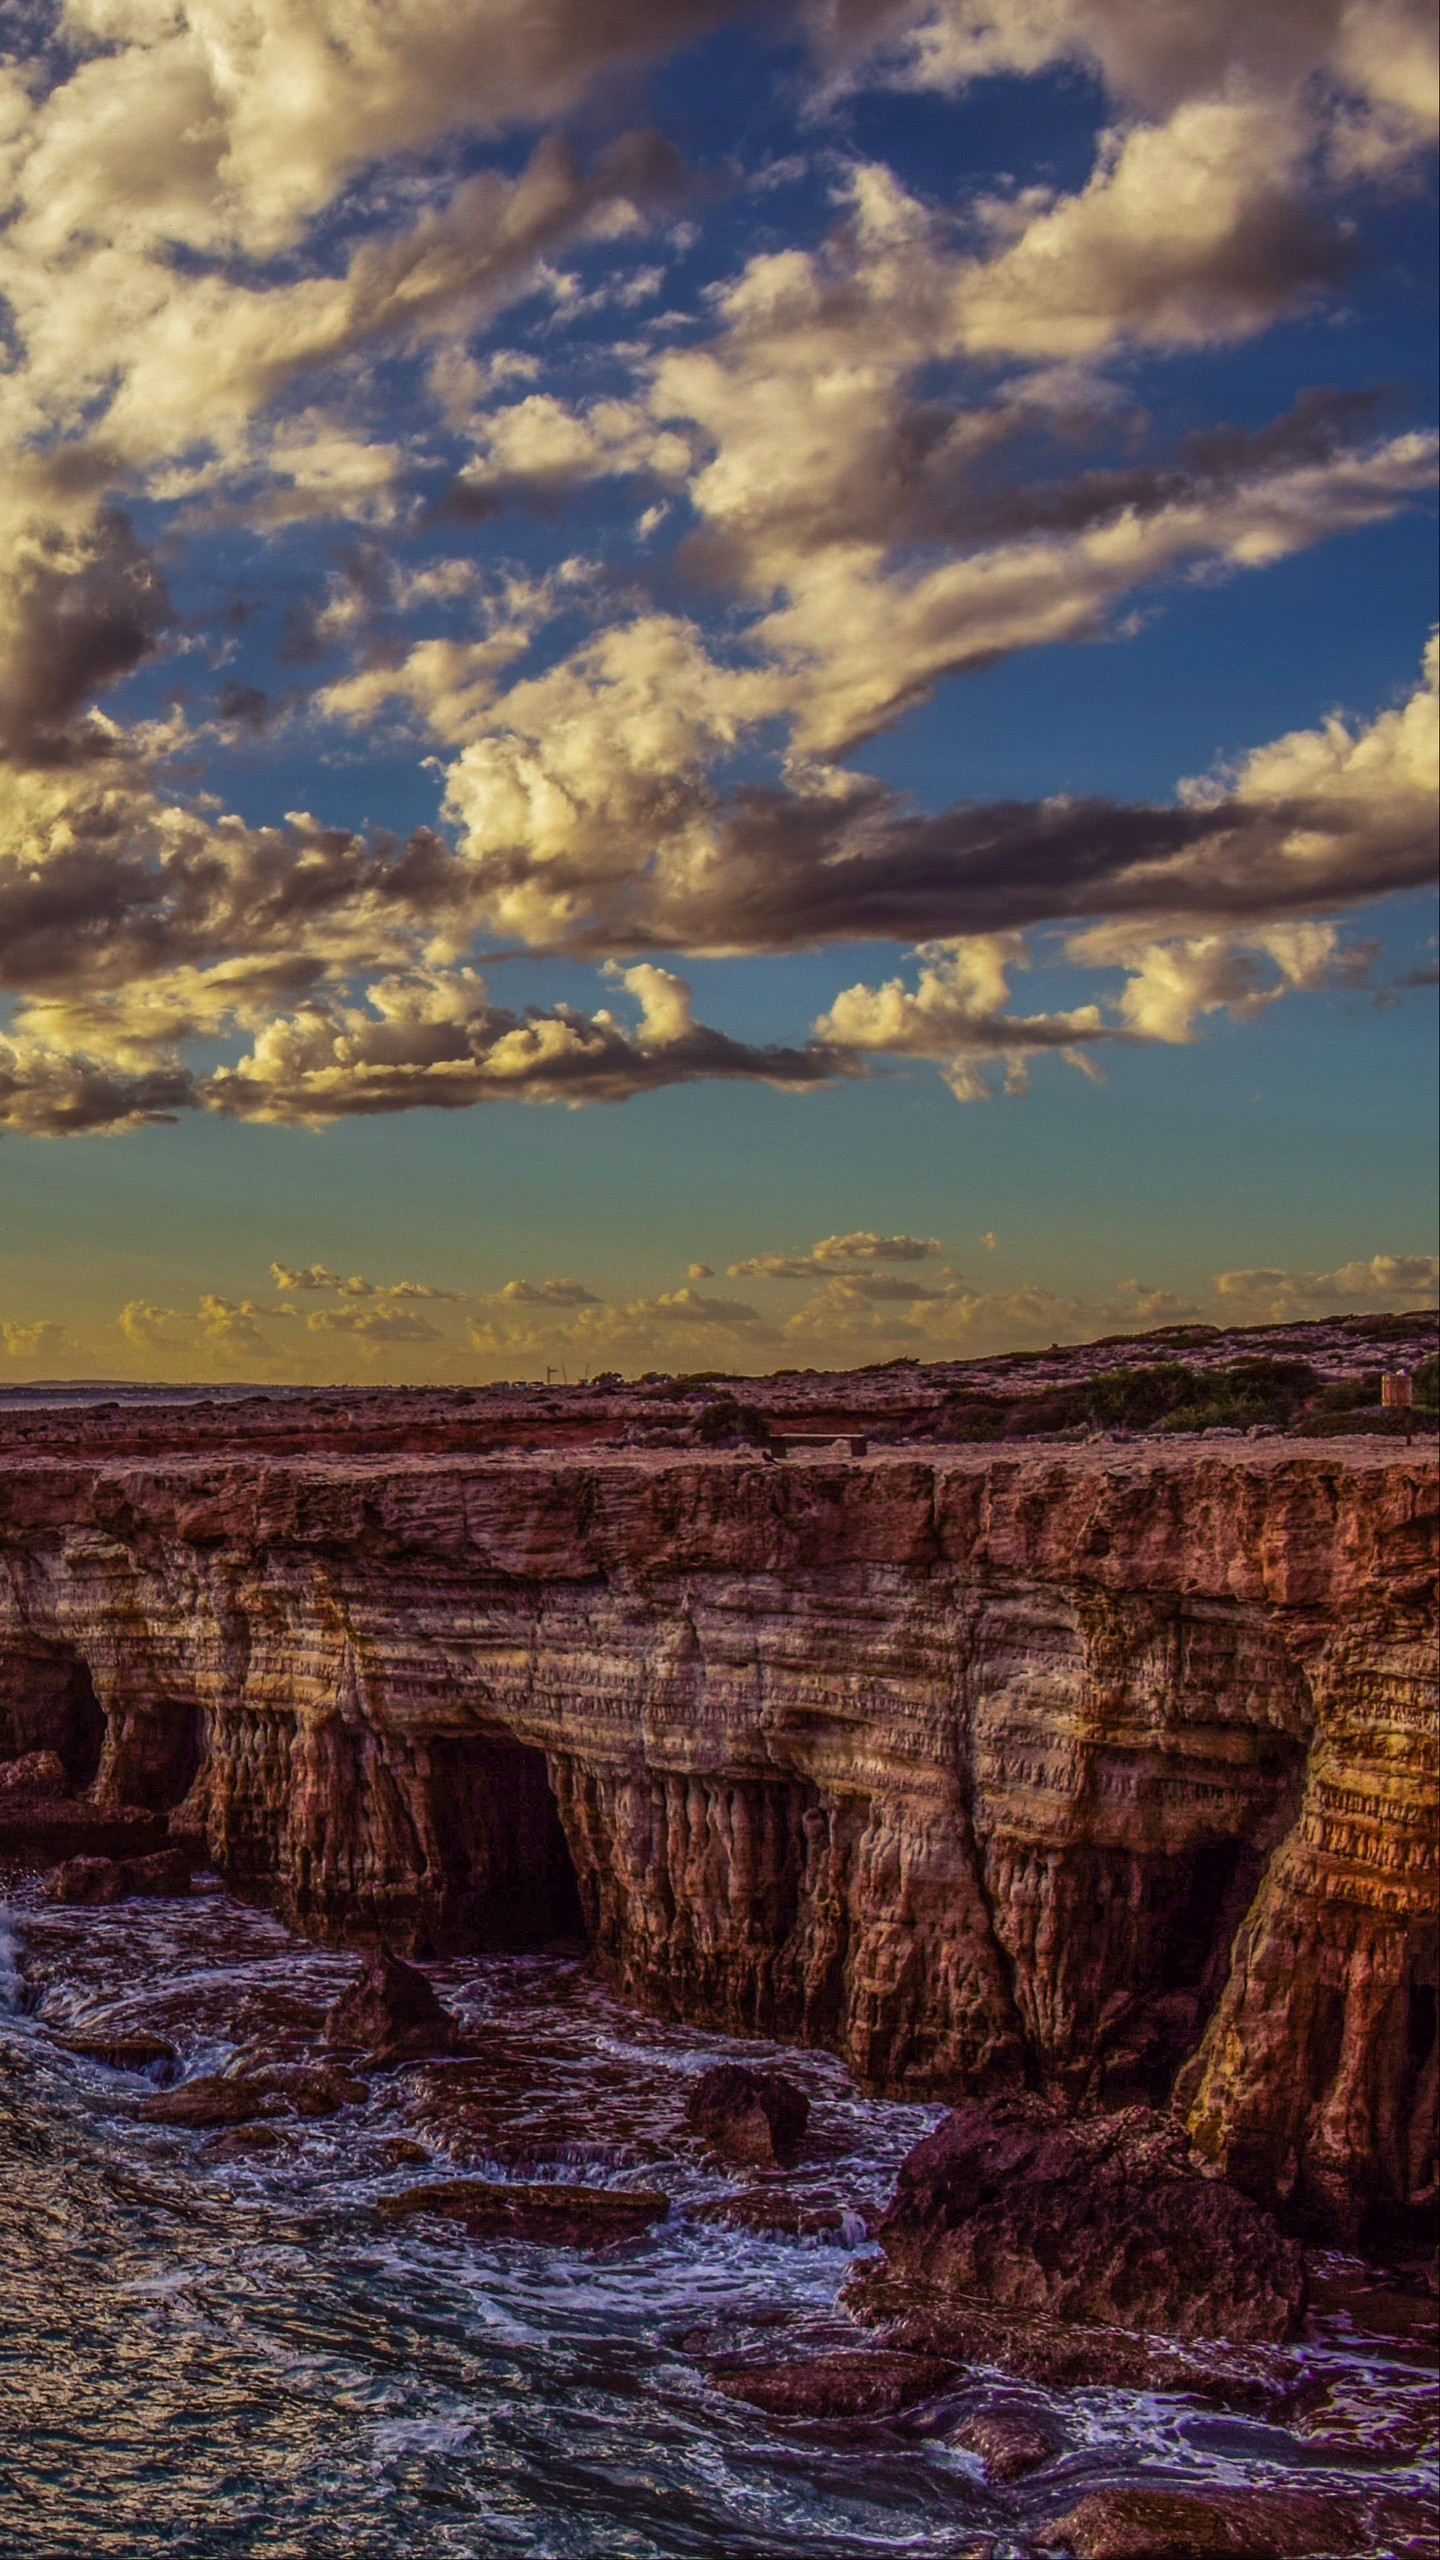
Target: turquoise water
(201, 2354)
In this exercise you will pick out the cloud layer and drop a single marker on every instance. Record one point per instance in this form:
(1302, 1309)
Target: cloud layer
(312, 279)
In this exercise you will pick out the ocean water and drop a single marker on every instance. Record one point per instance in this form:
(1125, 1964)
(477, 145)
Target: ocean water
(208, 2351)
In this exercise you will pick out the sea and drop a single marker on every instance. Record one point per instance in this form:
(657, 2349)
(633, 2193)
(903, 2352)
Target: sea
(210, 2349)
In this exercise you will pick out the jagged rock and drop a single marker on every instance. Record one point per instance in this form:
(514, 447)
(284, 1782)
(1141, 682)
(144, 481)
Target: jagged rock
(208, 2100)
(756, 2117)
(86, 1880)
(35, 1773)
(1102, 2220)
(119, 2052)
(851, 2382)
(313, 2089)
(1011, 2443)
(391, 2013)
(1208, 2524)
(563, 2217)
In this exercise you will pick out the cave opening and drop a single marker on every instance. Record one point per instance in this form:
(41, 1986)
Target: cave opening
(48, 1703)
(506, 1881)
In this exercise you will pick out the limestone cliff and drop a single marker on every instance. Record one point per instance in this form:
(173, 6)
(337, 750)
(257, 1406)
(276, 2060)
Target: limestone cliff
(1094, 1765)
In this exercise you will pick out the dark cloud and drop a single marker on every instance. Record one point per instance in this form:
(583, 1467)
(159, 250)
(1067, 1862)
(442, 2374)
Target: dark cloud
(76, 619)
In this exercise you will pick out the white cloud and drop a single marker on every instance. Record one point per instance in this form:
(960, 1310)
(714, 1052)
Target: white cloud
(544, 1293)
(1386, 1279)
(847, 1255)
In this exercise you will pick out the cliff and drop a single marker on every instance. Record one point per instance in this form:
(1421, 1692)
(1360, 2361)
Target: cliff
(1108, 1766)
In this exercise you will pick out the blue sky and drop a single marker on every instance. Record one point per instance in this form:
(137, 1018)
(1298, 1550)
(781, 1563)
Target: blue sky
(632, 655)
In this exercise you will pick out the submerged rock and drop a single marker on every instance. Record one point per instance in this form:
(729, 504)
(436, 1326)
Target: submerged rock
(310, 2089)
(1063, 2355)
(119, 2052)
(244, 2139)
(758, 2117)
(209, 2100)
(565, 2217)
(86, 1880)
(1009, 2442)
(852, 2382)
(165, 1873)
(1103, 2219)
(1208, 2524)
(392, 2013)
(773, 2213)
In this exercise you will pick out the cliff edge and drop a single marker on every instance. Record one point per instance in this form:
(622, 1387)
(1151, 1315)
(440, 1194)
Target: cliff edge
(1106, 1767)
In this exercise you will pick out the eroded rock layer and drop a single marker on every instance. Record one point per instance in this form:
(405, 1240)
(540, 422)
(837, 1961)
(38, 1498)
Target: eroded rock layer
(1110, 1766)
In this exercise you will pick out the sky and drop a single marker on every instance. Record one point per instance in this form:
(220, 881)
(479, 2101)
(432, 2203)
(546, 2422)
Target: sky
(687, 686)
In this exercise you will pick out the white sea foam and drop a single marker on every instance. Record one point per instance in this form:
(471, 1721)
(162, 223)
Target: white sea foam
(421, 2435)
(10, 1986)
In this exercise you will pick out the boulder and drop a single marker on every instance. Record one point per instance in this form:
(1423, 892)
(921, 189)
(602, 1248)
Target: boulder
(1106, 2219)
(1009, 2442)
(86, 1880)
(100, 1880)
(309, 2089)
(1208, 2524)
(564, 2217)
(208, 2101)
(391, 2013)
(35, 1773)
(756, 2117)
(853, 2382)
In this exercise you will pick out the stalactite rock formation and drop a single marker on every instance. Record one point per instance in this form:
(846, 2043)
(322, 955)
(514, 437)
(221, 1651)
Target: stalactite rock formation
(1107, 1767)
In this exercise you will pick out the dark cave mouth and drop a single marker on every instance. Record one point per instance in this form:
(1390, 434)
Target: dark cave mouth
(508, 1882)
(48, 1703)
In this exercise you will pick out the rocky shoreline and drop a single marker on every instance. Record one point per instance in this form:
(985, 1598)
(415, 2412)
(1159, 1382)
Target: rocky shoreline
(1078, 1789)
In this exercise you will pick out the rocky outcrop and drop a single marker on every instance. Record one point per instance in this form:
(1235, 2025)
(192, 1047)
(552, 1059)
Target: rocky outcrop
(1108, 1767)
(1108, 2219)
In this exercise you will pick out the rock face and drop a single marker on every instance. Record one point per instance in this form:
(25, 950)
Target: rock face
(1104, 2219)
(1094, 1765)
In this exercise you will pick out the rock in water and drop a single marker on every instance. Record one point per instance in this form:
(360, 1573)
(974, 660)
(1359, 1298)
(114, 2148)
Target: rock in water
(758, 2117)
(86, 1880)
(565, 2217)
(1009, 2442)
(119, 2052)
(1102, 2219)
(99, 1880)
(208, 2101)
(1213, 2524)
(854, 2382)
(392, 2013)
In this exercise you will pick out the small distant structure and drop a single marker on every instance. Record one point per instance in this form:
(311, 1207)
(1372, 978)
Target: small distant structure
(1397, 1387)
(791, 1444)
